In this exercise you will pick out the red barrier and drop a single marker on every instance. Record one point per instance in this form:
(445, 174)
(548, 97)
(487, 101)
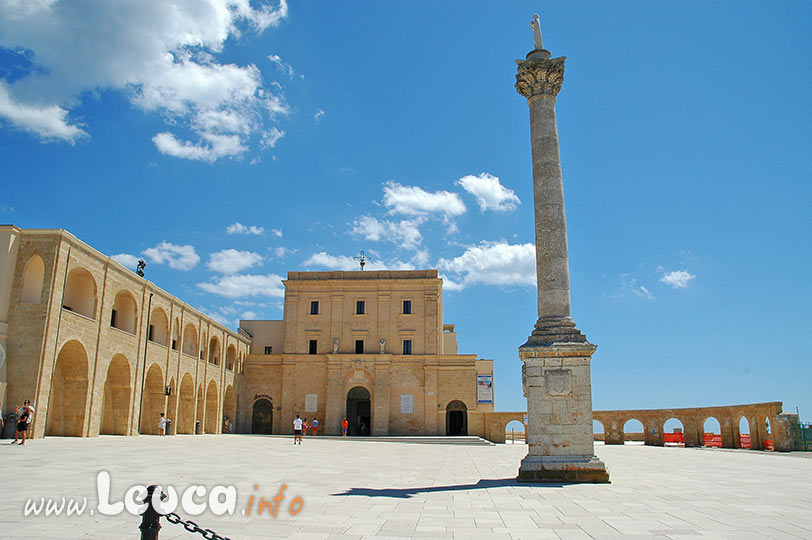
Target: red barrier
(674, 438)
(768, 444)
(712, 439)
(744, 441)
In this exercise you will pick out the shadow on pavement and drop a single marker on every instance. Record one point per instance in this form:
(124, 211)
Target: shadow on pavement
(405, 493)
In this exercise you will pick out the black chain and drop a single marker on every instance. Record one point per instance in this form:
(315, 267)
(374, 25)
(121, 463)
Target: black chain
(191, 526)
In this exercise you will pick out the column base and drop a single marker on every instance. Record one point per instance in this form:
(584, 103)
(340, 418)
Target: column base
(554, 330)
(563, 469)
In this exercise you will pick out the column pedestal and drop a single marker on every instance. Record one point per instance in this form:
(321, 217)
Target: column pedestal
(556, 381)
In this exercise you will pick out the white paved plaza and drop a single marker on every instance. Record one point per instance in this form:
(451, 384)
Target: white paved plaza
(354, 489)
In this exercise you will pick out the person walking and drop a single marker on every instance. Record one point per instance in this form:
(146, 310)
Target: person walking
(162, 425)
(297, 430)
(305, 425)
(314, 426)
(344, 426)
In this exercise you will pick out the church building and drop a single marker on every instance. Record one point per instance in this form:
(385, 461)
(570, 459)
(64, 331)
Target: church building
(370, 346)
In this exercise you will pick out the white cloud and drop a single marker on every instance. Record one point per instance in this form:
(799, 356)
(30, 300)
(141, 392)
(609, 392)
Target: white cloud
(160, 54)
(492, 263)
(245, 285)
(281, 64)
(271, 137)
(405, 233)
(280, 252)
(319, 114)
(678, 278)
(415, 201)
(249, 315)
(218, 316)
(277, 232)
(127, 260)
(231, 261)
(214, 147)
(489, 193)
(239, 228)
(177, 257)
(345, 262)
(629, 285)
(47, 121)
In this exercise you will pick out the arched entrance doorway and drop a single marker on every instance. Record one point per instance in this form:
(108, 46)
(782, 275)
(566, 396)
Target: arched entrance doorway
(456, 419)
(186, 418)
(152, 401)
(116, 405)
(199, 416)
(359, 411)
(212, 420)
(66, 404)
(229, 409)
(172, 408)
(262, 417)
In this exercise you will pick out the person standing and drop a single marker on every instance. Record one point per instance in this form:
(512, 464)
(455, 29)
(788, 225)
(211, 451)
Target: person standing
(297, 430)
(315, 426)
(305, 426)
(23, 421)
(344, 426)
(2, 423)
(162, 425)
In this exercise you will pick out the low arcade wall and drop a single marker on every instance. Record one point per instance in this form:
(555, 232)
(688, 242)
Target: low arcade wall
(693, 422)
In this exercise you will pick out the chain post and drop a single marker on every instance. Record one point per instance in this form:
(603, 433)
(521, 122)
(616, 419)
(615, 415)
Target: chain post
(151, 519)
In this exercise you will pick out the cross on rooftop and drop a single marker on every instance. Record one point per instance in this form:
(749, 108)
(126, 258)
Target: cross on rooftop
(362, 259)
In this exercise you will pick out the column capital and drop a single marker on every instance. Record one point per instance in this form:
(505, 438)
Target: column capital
(538, 76)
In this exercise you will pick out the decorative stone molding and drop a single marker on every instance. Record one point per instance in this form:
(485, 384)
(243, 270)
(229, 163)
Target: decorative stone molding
(540, 77)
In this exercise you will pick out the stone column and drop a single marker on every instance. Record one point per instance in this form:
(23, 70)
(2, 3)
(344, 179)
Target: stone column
(555, 374)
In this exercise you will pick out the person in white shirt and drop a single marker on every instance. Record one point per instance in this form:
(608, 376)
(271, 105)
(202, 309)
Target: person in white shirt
(162, 425)
(297, 430)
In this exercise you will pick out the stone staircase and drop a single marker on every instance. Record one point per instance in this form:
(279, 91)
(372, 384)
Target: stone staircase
(462, 440)
(418, 439)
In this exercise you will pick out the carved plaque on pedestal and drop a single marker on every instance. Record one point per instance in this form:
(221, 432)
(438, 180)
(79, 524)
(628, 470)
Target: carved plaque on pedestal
(559, 382)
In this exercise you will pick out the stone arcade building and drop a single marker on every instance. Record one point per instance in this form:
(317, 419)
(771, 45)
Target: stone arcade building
(100, 350)
(95, 347)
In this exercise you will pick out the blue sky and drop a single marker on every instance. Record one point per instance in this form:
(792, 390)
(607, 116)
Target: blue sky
(231, 142)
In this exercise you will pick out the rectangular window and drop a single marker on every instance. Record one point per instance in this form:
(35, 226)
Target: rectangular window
(113, 318)
(151, 331)
(407, 346)
(359, 307)
(268, 350)
(359, 346)
(313, 346)
(407, 307)
(314, 307)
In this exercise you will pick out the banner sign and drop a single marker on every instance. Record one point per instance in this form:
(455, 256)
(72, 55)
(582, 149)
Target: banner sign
(484, 388)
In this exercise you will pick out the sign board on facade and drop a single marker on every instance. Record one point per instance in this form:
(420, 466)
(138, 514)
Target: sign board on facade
(406, 403)
(484, 388)
(311, 402)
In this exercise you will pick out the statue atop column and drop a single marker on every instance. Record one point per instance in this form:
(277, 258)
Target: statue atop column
(535, 24)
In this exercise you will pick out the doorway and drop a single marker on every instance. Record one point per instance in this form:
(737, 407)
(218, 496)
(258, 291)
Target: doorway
(456, 419)
(359, 412)
(262, 417)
